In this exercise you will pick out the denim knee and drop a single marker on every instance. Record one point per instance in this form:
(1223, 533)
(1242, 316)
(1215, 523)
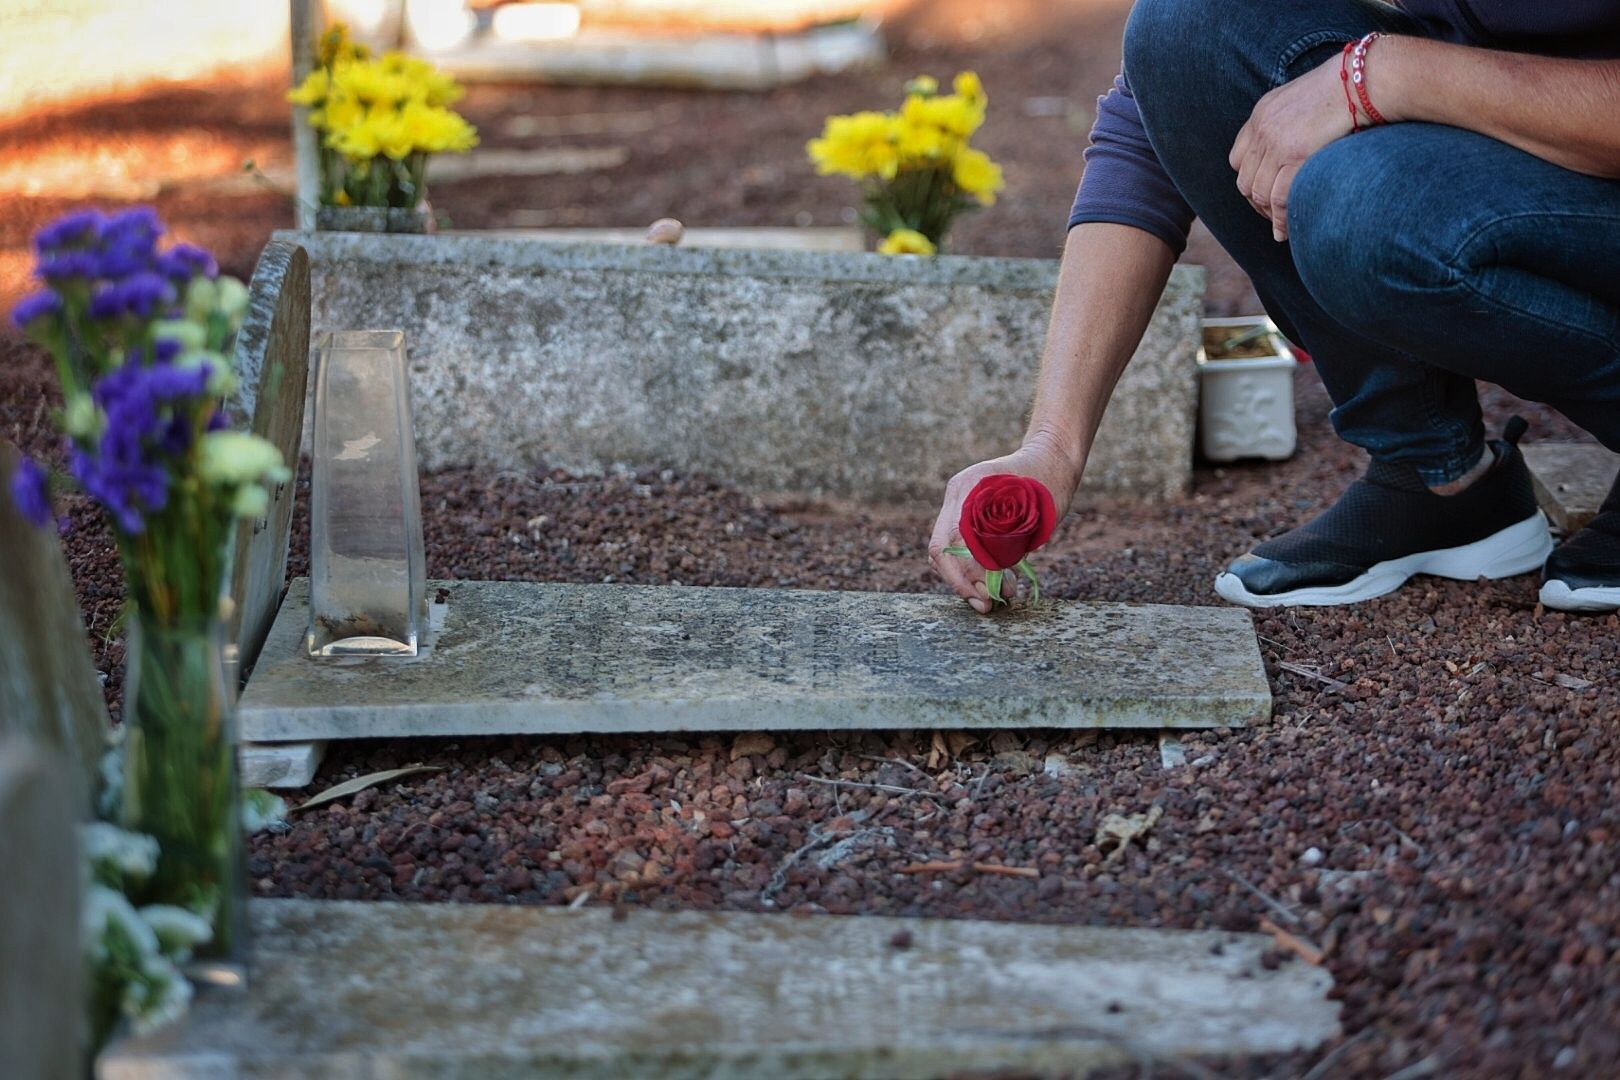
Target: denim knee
(1354, 237)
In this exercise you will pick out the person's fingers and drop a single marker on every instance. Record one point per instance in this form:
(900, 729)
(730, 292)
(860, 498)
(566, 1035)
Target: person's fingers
(1240, 145)
(964, 576)
(1280, 187)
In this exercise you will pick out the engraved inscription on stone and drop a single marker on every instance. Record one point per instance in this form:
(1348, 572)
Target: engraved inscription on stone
(517, 657)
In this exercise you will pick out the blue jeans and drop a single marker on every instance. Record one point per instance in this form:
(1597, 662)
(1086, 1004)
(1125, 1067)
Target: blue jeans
(1420, 257)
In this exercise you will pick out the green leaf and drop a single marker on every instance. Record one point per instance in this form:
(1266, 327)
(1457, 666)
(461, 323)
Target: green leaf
(1034, 583)
(992, 581)
(958, 549)
(360, 783)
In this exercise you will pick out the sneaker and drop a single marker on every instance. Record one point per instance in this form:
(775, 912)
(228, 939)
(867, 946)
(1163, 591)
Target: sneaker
(1584, 573)
(1389, 526)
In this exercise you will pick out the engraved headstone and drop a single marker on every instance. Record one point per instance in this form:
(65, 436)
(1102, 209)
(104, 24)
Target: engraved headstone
(41, 970)
(1571, 480)
(524, 991)
(49, 690)
(272, 363)
(368, 592)
(522, 658)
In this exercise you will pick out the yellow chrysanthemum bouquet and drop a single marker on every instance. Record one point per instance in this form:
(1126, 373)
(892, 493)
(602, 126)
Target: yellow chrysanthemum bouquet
(915, 166)
(379, 119)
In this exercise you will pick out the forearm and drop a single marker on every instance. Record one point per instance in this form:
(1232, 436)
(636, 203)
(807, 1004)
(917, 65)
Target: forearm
(1563, 111)
(1111, 280)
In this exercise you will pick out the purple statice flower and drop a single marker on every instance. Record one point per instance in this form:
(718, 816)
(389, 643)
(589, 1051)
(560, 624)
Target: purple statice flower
(63, 266)
(128, 243)
(71, 230)
(142, 294)
(29, 492)
(147, 427)
(35, 306)
(183, 262)
(219, 420)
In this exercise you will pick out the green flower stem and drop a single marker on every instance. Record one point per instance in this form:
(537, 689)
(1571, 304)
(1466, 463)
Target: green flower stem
(1028, 571)
(180, 774)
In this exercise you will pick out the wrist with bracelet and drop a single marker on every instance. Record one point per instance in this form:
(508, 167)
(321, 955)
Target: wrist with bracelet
(1353, 75)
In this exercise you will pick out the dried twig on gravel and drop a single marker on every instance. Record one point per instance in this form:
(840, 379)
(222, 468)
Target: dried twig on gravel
(892, 761)
(937, 867)
(1270, 901)
(1338, 686)
(892, 789)
(1294, 944)
(1009, 871)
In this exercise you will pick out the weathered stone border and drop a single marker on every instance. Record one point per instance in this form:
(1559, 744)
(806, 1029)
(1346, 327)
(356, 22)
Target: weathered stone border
(821, 373)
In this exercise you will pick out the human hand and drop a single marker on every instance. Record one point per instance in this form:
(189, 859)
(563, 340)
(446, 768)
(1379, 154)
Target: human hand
(1287, 126)
(1037, 458)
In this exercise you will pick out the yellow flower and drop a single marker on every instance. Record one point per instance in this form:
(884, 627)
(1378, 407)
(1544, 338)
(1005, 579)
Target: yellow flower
(955, 116)
(906, 242)
(436, 131)
(312, 91)
(976, 174)
(335, 45)
(858, 146)
(372, 83)
(341, 112)
(968, 86)
(920, 141)
(428, 83)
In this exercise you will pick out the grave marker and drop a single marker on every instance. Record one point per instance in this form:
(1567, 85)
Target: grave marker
(272, 363)
(357, 990)
(524, 658)
(49, 690)
(41, 968)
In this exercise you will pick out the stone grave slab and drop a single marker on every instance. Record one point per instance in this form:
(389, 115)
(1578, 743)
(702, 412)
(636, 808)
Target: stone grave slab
(359, 990)
(41, 970)
(49, 691)
(526, 658)
(1571, 480)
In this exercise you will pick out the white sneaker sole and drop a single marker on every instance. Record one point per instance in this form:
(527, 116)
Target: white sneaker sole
(1559, 596)
(1517, 549)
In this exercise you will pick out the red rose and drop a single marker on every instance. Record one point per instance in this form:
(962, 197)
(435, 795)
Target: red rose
(1005, 517)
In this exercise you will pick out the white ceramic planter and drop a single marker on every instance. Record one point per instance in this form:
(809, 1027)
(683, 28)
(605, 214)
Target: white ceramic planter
(1246, 405)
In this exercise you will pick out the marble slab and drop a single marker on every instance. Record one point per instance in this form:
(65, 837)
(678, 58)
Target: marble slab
(525, 658)
(1571, 480)
(348, 990)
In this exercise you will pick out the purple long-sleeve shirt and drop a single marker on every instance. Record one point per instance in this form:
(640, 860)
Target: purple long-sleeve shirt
(1125, 184)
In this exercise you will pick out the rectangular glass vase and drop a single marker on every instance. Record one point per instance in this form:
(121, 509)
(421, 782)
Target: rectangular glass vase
(368, 572)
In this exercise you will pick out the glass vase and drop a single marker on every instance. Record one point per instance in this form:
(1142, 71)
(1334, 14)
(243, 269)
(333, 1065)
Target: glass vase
(367, 569)
(180, 782)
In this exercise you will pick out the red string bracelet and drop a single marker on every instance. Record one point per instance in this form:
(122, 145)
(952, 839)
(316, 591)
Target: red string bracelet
(1344, 77)
(1358, 76)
